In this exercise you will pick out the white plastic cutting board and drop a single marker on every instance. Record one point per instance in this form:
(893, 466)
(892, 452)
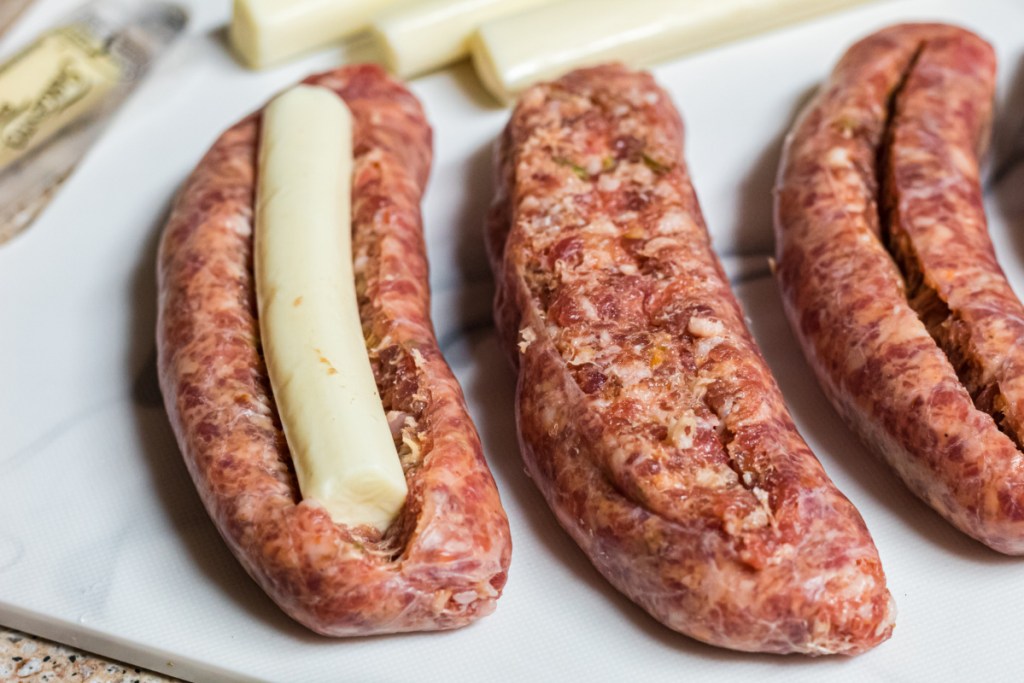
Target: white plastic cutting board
(104, 543)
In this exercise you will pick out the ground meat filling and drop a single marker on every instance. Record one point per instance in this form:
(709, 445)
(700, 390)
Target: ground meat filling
(400, 385)
(610, 251)
(952, 333)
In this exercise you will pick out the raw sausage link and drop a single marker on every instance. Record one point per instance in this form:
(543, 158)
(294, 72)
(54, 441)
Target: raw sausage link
(444, 562)
(647, 416)
(889, 277)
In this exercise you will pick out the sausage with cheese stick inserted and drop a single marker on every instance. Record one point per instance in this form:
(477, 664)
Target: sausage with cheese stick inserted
(443, 562)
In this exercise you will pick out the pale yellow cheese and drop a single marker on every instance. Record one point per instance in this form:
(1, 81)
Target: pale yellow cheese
(263, 32)
(333, 419)
(418, 36)
(511, 53)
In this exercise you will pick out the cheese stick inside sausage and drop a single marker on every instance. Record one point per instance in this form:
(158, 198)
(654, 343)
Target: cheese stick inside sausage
(418, 36)
(323, 385)
(263, 32)
(514, 52)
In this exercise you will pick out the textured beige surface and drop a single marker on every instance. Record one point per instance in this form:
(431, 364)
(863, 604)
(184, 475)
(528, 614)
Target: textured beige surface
(26, 658)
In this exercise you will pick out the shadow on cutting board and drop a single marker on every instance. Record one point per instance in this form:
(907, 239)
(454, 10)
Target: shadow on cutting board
(753, 232)
(471, 85)
(476, 291)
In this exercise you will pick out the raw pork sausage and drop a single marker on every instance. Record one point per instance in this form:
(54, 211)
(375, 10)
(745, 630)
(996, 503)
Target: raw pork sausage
(647, 416)
(889, 277)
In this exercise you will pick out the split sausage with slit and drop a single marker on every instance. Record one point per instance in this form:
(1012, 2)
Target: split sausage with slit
(890, 279)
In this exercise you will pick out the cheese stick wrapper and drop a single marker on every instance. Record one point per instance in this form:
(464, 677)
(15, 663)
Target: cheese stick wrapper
(58, 93)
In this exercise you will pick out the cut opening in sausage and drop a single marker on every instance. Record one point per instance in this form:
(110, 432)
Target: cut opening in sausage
(669, 372)
(932, 223)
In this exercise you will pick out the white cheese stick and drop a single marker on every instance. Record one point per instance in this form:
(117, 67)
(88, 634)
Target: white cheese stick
(514, 52)
(418, 36)
(263, 32)
(334, 422)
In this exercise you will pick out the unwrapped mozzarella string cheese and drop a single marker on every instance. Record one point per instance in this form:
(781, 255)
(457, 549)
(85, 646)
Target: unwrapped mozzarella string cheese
(511, 53)
(333, 419)
(418, 36)
(265, 32)
(514, 43)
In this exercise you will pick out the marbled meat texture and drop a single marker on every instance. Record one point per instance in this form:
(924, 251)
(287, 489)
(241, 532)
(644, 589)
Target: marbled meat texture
(889, 277)
(647, 416)
(443, 563)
